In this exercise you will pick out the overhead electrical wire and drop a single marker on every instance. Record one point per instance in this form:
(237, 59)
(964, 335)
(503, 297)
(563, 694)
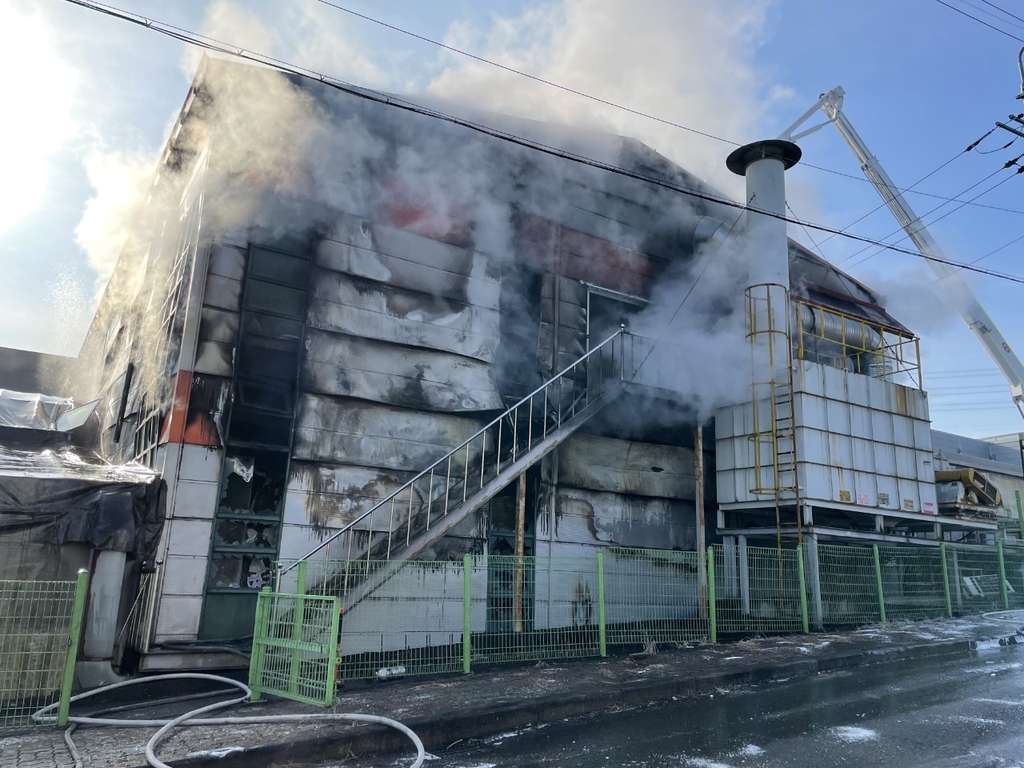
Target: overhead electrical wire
(991, 15)
(920, 219)
(1001, 10)
(396, 102)
(980, 21)
(639, 113)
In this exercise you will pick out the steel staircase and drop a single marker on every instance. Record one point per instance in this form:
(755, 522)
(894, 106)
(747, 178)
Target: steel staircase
(371, 548)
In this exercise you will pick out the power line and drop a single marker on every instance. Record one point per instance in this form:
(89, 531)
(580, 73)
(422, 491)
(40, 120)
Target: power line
(990, 14)
(1002, 10)
(395, 102)
(638, 113)
(920, 220)
(985, 23)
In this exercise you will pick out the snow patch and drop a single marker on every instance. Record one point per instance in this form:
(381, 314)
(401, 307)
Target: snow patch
(979, 720)
(852, 733)
(701, 762)
(222, 752)
(731, 658)
(751, 750)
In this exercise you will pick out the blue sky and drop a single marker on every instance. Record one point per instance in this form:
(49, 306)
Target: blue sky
(922, 83)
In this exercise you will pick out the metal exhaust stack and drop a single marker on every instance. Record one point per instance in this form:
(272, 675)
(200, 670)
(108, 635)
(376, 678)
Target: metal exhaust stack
(773, 438)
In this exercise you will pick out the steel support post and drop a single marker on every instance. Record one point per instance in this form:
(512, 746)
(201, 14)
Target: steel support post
(467, 596)
(74, 637)
(945, 580)
(878, 581)
(1002, 576)
(803, 586)
(817, 613)
(956, 581)
(744, 575)
(259, 633)
(712, 618)
(298, 617)
(601, 634)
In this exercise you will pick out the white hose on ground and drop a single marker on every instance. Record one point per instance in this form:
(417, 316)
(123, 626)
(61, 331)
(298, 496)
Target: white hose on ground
(191, 717)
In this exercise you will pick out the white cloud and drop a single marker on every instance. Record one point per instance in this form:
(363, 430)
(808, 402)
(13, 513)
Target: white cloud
(38, 87)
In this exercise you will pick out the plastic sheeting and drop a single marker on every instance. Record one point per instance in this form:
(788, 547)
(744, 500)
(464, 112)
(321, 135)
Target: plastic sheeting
(30, 410)
(53, 497)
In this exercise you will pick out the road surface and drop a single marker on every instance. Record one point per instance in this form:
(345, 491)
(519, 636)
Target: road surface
(950, 713)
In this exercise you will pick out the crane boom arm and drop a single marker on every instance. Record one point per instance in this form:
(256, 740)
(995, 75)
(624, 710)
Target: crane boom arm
(977, 319)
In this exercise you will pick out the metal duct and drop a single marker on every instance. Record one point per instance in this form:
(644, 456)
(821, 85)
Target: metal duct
(708, 231)
(842, 330)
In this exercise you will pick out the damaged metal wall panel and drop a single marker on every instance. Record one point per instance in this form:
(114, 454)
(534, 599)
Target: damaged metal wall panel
(621, 466)
(345, 431)
(637, 217)
(218, 324)
(596, 518)
(564, 319)
(328, 496)
(547, 246)
(408, 260)
(336, 364)
(344, 304)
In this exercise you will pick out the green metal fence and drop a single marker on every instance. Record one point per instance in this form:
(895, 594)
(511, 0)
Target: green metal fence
(40, 626)
(757, 589)
(976, 578)
(403, 618)
(1013, 565)
(654, 596)
(295, 647)
(848, 585)
(412, 623)
(912, 582)
(533, 608)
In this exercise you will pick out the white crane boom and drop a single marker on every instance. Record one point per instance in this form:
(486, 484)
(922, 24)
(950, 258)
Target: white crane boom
(957, 289)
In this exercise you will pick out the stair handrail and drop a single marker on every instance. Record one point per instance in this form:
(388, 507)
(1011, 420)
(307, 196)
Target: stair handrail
(620, 333)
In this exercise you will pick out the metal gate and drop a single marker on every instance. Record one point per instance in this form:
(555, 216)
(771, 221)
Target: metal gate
(295, 647)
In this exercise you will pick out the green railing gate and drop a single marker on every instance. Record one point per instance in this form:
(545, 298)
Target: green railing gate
(295, 647)
(40, 627)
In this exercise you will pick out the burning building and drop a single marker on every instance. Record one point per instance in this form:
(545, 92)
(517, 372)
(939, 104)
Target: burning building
(328, 292)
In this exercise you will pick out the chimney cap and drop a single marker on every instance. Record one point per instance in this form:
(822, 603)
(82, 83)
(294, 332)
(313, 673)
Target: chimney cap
(740, 159)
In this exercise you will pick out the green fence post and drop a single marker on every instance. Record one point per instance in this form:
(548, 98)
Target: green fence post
(601, 636)
(298, 616)
(945, 580)
(712, 617)
(1020, 514)
(333, 654)
(467, 596)
(803, 586)
(259, 633)
(74, 635)
(878, 579)
(1002, 577)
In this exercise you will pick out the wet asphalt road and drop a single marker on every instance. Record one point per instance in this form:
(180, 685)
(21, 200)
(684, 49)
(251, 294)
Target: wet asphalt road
(953, 713)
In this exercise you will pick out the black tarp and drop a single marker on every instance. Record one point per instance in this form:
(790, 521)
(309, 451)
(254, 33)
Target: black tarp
(53, 496)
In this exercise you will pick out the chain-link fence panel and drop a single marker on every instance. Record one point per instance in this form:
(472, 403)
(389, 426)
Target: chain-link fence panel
(912, 582)
(757, 589)
(654, 596)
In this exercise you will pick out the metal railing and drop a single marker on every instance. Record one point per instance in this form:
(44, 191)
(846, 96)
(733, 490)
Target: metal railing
(443, 617)
(500, 450)
(40, 627)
